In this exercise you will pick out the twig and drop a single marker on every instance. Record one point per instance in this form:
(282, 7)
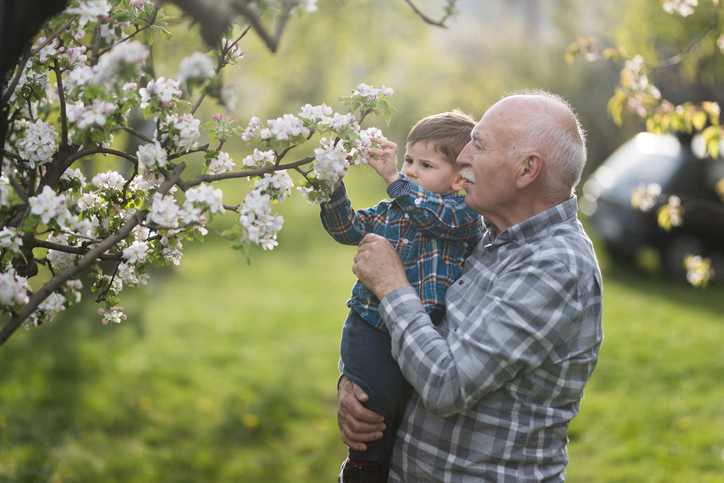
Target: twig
(677, 59)
(428, 20)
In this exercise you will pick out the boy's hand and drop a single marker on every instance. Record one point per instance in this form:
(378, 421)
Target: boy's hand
(386, 165)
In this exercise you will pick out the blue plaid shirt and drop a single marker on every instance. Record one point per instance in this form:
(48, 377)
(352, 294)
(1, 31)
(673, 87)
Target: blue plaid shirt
(432, 233)
(498, 381)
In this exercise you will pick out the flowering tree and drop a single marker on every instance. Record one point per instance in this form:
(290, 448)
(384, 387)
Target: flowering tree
(75, 89)
(638, 95)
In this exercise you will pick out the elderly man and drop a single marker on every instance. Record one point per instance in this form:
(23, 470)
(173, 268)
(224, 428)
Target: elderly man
(499, 380)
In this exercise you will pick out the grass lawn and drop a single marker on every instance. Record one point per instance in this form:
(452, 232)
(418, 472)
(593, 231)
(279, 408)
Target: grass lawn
(225, 372)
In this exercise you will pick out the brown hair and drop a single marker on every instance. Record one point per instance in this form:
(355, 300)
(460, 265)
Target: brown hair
(449, 133)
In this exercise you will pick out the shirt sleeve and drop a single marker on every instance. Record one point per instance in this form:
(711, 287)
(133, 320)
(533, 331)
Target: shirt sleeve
(510, 330)
(435, 215)
(342, 222)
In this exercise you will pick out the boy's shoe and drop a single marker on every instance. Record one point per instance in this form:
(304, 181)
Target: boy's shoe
(354, 473)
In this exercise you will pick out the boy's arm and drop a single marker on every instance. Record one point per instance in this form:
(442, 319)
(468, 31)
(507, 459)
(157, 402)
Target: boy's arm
(436, 215)
(341, 221)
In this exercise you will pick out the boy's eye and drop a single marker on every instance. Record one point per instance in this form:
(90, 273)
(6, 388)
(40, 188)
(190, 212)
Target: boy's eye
(408, 161)
(426, 165)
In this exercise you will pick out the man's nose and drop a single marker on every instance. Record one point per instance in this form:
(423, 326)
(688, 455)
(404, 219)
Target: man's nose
(464, 157)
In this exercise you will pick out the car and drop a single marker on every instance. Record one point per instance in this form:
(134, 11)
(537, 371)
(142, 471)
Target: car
(668, 165)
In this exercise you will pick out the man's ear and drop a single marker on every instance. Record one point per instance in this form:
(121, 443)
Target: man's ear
(457, 183)
(530, 168)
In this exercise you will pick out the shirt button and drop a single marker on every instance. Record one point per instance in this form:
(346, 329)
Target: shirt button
(407, 217)
(405, 241)
(460, 282)
(418, 201)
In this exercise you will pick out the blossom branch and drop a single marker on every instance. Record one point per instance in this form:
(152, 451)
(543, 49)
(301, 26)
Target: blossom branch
(83, 263)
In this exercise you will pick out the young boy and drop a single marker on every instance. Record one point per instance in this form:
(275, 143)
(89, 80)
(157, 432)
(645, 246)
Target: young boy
(433, 232)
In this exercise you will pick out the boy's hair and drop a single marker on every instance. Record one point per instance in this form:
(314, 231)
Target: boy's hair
(448, 132)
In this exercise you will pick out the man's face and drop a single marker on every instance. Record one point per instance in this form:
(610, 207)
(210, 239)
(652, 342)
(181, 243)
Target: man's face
(488, 170)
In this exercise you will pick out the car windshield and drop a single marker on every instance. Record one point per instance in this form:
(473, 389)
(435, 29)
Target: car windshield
(644, 159)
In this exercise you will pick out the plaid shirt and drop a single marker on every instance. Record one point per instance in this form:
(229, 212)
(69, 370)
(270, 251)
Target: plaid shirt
(498, 381)
(433, 234)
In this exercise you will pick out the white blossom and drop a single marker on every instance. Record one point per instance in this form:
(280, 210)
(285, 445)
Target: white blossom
(164, 211)
(13, 288)
(152, 155)
(197, 66)
(10, 239)
(90, 10)
(136, 253)
(222, 163)
(47, 204)
(682, 7)
(39, 143)
(126, 54)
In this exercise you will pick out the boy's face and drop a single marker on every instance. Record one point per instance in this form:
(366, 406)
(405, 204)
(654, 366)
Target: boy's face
(430, 169)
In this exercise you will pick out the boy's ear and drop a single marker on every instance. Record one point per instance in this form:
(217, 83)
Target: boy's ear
(457, 183)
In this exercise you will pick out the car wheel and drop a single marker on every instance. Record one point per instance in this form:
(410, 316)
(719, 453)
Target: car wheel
(674, 253)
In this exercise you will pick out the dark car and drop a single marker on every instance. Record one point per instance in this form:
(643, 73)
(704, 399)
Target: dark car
(680, 167)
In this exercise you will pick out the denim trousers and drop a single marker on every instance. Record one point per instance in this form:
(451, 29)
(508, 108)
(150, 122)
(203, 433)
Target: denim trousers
(368, 362)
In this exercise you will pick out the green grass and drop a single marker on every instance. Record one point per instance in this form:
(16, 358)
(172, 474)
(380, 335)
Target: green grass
(226, 372)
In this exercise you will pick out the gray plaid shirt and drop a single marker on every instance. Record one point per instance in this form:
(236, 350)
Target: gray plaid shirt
(497, 383)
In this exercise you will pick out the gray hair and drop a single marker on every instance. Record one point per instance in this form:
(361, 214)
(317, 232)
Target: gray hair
(564, 145)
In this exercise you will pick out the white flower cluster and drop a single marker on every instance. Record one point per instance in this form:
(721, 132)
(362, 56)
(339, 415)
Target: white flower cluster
(164, 90)
(222, 163)
(114, 314)
(90, 10)
(13, 288)
(123, 56)
(371, 93)
(198, 200)
(48, 205)
(634, 78)
(183, 131)
(261, 227)
(152, 155)
(278, 185)
(197, 67)
(259, 159)
(330, 163)
(11, 239)
(39, 143)
(682, 7)
(85, 117)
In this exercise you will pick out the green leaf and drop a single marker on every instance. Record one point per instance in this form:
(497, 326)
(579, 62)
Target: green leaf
(699, 120)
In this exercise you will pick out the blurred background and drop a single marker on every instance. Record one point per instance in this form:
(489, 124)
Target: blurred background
(226, 369)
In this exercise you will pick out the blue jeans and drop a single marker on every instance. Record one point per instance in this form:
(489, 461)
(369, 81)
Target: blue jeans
(367, 356)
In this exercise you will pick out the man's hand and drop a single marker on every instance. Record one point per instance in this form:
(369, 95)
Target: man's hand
(386, 165)
(378, 266)
(357, 424)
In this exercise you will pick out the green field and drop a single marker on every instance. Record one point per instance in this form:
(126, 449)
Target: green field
(225, 372)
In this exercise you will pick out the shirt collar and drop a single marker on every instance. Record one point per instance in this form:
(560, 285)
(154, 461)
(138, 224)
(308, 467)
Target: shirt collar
(532, 226)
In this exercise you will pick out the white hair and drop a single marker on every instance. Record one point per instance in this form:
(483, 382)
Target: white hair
(563, 145)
